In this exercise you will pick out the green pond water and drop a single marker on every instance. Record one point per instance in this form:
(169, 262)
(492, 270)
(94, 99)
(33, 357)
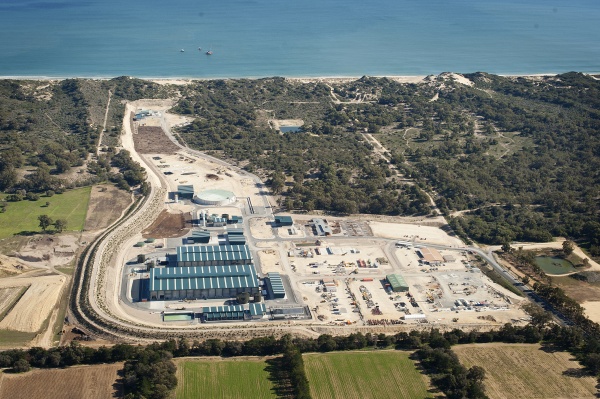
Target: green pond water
(554, 265)
(177, 317)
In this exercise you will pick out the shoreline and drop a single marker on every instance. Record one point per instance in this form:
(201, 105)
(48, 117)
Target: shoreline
(186, 80)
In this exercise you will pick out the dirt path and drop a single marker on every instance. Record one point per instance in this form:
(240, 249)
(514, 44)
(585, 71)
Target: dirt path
(103, 124)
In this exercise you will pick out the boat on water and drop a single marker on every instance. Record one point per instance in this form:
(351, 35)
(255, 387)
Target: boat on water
(199, 48)
(182, 51)
(209, 52)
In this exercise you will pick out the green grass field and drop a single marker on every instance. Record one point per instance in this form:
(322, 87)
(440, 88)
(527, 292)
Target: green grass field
(218, 379)
(22, 216)
(364, 375)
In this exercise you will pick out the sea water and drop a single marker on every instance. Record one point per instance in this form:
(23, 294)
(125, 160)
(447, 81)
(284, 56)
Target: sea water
(256, 38)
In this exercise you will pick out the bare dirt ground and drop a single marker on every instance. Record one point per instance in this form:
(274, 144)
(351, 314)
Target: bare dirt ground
(592, 310)
(407, 232)
(43, 251)
(90, 382)
(168, 225)
(11, 266)
(106, 205)
(260, 229)
(527, 371)
(35, 305)
(7, 297)
(152, 140)
(270, 261)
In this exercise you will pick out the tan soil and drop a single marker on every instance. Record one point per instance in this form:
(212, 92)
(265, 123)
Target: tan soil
(168, 225)
(35, 305)
(90, 382)
(260, 229)
(106, 205)
(7, 297)
(11, 266)
(406, 232)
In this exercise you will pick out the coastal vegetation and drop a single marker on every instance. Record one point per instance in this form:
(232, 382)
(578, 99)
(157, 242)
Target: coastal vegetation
(508, 159)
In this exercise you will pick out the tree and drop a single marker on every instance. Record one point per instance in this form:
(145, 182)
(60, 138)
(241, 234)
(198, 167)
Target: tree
(568, 247)
(45, 221)
(21, 366)
(60, 225)
(506, 247)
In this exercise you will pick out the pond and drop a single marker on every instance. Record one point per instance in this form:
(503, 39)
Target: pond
(290, 129)
(178, 316)
(554, 265)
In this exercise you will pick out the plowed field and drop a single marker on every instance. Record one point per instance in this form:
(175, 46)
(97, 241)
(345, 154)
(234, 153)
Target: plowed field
(527, 371)
(365, 375)
(89, 382)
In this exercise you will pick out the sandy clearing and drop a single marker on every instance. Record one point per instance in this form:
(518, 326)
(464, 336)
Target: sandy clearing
(592, 310)
(260, 229)
(7, 296)
(36, 304)
(461, 79)
(270, 261)
(11, 266)
(406, 232)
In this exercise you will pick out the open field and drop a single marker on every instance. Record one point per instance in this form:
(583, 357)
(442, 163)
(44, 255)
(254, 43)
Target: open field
(22, 216)
(8, 297)
(106, 204)
(527, 371)
(34, 307)
(419, 234)
(219, 378)
(90, 382)
(362, 375)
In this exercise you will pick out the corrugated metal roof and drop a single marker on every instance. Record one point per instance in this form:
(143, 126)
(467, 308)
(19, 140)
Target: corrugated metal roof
(283, 219)
(258, 309)
(234, 231)
(396, 280)
(185, 188)
(276, 283)
(203, 277)
(197, 253)
(200, 233)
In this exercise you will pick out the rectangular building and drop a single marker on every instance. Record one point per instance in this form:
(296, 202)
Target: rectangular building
(284, 221)
(397, 282)
(431, 255)
(275, 285)
(213, 255)
(185, 191)
(202, 282)
(321, 227)
(199, 237)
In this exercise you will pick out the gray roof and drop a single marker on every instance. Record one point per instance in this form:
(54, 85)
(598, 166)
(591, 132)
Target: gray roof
(203, 277)
(185, 188)
(276, 283)
(200, 233)
(282, 219)
(234, 231)
(200, 253)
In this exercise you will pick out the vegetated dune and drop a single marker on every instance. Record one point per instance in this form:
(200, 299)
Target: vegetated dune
(90, 382)
(35, 305)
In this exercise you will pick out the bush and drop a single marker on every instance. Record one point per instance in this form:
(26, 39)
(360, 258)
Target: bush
(21, 366)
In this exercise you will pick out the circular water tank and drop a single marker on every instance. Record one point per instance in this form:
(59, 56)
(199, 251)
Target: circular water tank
(215, 197)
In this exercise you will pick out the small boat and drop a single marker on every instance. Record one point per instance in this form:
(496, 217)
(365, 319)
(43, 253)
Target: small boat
(199, 48)
(182, 51)
(209, 52)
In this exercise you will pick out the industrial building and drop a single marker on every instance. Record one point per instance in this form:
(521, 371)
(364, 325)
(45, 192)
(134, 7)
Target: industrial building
(235, 219)
(212, 255)
(199, 237)
(321, 227)
(275, 285)
(255, 311)
(202, 282)
(284, 221)
(290, 312)
(431, 256)
(185, 191)
(397, 283)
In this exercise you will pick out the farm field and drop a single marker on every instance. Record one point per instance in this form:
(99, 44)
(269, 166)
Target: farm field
(217, 378)
(22, 216)
(364, 375)
(34, 307)
(90, 382)
(527, 371)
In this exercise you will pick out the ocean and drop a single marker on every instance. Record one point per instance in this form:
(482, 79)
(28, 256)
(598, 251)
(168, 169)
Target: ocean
(296, 38)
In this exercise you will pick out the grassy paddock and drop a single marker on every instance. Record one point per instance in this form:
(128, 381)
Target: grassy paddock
(364, 375)
(215, 378)
(22, 216)
(527, 371)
